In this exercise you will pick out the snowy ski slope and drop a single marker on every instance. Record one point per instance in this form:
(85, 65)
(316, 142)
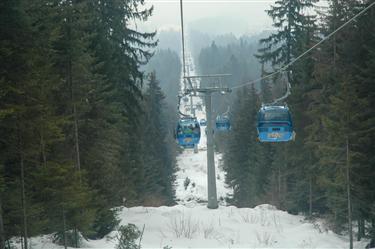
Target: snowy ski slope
(194, 166)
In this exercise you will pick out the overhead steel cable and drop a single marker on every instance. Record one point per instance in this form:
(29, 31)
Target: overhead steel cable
(282, 69)
(182, 38)
(183, 59)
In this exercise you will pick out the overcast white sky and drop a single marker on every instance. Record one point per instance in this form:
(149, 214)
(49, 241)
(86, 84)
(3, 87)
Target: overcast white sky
(167, 12)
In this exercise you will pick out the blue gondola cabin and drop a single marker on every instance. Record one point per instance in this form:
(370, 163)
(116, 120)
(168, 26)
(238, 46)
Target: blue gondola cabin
(188, 132)
(222, 123)
(275, 124)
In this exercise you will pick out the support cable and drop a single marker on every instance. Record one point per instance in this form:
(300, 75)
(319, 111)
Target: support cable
(183, 39)
(183, 61)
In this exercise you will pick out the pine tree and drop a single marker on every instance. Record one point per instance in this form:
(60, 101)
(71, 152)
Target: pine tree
(243, 160)
(68, 199)
(159, 165)
(64, 99)
(343, 51)
(20, 117)
(119, 52)
(363, 183)
(342, 144)
(295, 34)
(290, 21)
(2, 231)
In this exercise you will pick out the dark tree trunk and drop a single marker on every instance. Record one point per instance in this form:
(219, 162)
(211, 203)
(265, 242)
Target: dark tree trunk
(23, 202)
(310, 197)
(43, 150)
(372, 243)
(64, 229)
(279, 187)
(349, 195)
(76, 237)
(73, 99)
(334, 36)
(76, 139)
(2, 232)
(361, 228)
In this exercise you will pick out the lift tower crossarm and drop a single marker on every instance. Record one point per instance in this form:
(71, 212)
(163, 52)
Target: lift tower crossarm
(209, 90)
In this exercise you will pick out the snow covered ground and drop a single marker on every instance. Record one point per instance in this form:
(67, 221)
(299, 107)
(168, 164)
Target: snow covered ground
(226, 227)
(190, 224)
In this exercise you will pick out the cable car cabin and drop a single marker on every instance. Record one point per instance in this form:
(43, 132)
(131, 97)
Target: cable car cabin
(222, 123)
(188, 132)
(275, 124)
(203, 122)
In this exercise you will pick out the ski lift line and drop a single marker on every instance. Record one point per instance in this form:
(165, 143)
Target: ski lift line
(207, 76)
(307, 51)
(182, 38)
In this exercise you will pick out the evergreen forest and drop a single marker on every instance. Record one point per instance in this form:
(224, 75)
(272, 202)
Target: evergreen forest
(328, 171)
(88, 115)
(78, 117)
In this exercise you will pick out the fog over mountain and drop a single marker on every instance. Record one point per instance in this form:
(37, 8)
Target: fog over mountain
(237, 17)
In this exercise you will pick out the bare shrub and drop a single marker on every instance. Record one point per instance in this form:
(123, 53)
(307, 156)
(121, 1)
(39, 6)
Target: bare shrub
(320, 226)
(277, 223)
(162, 234)
(208, 230)
(249, 218)
(245, 217)
(184, 227)
(308, 243)
(230, 213)
(263, 219)
(264, 238)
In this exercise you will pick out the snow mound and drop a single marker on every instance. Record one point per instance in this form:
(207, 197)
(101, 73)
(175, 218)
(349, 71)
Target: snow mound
(265, 207)
(226, 227)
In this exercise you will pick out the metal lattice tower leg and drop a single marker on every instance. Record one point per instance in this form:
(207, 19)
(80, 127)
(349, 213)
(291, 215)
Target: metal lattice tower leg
(211, 176)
